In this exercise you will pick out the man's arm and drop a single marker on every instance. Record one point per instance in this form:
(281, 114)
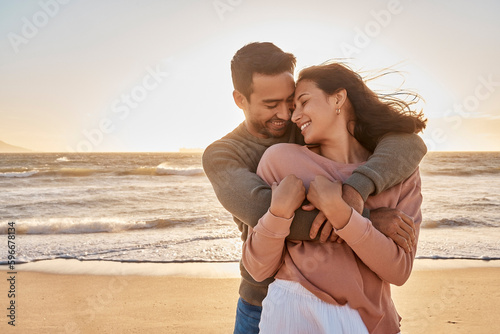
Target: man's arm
(247, 197)
(395, 158)
(242, 192)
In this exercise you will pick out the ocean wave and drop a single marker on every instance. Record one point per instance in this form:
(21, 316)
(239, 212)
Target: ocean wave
(19, 174)
(86, 226)
(461, 163)
(138, 171)
(85, 172)
(63, 159)
(461, 171)
(162, 170)
(456, 222)
(65, 171)
(70, 171)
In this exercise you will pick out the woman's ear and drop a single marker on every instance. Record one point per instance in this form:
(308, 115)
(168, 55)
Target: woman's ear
(340, 96)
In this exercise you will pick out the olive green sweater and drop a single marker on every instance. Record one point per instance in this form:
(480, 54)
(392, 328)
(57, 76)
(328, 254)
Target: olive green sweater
(230, 164)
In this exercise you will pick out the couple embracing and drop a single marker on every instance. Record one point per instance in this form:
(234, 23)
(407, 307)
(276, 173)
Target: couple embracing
(322, 179)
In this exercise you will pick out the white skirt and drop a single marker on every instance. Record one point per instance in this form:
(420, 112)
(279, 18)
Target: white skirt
(290, 308)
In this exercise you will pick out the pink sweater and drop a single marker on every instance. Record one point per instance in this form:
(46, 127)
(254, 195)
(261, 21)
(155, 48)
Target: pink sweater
(358, 271)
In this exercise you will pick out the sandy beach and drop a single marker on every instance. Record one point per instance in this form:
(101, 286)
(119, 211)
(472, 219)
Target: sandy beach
(67, 296)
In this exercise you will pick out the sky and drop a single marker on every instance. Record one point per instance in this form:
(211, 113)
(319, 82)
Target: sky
(154, 75)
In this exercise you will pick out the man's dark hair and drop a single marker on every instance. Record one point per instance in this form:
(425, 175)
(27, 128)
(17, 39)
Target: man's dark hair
(258, 57)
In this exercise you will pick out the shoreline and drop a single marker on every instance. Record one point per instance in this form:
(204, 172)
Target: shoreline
(197, 269)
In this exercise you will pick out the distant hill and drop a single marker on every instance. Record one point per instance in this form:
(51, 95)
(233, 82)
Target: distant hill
(7, 148)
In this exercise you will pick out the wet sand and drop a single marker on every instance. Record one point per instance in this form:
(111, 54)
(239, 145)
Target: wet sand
(61, 296)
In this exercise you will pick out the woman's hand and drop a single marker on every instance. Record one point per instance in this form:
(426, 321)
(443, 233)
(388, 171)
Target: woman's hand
(287, 196)
(326, 196)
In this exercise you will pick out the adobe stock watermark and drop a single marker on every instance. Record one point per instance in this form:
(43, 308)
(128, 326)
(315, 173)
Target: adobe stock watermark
(32, 26)
(224, 6)
(121, 107)
(373, 28)
(446, 298)
(470, 104)
(97, 303)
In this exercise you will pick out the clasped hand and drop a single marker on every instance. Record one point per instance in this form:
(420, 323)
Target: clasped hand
(323, 194)
(329, 197)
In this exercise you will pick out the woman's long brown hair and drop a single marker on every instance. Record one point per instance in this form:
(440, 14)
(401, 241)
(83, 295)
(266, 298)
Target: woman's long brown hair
(375, 115)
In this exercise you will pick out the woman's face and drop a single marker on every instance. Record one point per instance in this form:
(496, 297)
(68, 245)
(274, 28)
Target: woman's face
(315, 114)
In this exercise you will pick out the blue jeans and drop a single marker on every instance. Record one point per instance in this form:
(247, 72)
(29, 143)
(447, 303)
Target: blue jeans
(247, 318)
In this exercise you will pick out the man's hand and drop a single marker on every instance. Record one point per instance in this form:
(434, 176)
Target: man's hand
(327, 233)
(396, 225)
(351, 197)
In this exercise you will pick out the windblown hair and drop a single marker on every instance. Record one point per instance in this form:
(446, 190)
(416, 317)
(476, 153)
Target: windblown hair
(258, 57)
(375, 115)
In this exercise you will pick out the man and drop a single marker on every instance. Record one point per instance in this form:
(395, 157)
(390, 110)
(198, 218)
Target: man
(263, 88)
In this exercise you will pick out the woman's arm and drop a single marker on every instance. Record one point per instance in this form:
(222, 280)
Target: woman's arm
(265, 246)
(388, 260)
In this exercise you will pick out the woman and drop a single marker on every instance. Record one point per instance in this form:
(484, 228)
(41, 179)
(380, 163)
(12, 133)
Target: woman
(332, 287)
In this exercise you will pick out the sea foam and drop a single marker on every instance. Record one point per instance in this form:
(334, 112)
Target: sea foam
(19, 174)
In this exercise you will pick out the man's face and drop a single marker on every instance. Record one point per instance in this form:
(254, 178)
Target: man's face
(271, 102)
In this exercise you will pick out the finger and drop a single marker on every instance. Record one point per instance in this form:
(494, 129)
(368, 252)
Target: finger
(325, 233)
(407, 237)
(400, 241)
(316, 225)
(334, 236)
(308, 207)
(408, 225)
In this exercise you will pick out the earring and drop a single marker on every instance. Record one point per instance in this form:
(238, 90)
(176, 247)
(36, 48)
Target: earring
(338, 111)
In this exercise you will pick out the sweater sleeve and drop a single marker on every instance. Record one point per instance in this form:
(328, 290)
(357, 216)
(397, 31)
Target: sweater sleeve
(240, 191)
(378, 252)
(263, 250)
(243, 193)
(395, 158)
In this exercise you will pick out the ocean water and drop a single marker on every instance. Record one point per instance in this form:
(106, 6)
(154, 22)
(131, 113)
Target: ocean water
(160, 207)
